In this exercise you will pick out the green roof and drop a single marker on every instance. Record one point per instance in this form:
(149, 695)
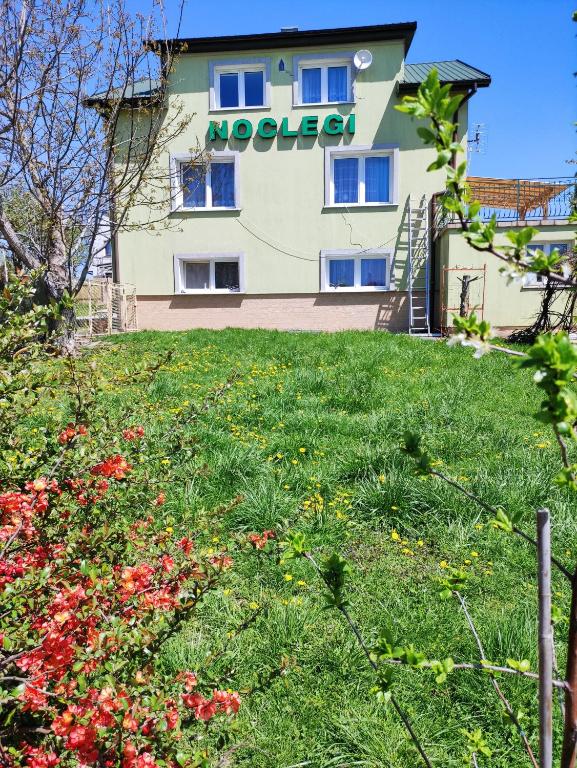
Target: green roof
(455, 72)
(141, 89)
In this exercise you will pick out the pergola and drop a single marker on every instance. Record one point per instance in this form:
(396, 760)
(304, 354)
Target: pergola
(520, 195)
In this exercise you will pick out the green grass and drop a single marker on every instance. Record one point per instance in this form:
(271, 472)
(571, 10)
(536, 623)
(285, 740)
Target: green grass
(346, 399)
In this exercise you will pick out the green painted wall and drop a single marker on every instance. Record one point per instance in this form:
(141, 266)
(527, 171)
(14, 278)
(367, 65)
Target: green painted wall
(505, 305)
(283, 225)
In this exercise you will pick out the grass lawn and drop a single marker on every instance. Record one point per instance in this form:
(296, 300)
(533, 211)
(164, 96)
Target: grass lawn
(309, 436)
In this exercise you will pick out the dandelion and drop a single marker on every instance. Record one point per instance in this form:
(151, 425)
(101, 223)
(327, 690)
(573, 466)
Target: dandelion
(474, 554)
(381, 478)
(394, 535)
(302, 450)
(288, 577)
(443, 564)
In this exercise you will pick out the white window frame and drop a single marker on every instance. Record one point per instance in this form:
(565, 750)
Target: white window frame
(531, 280)
(361, 152)
(181, 259)
(346, 253)
(238, 66)
(177, 194)
(323, 61)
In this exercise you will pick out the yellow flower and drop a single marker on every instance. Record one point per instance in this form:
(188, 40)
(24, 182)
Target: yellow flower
(169, 529)
(479, 526)
(381, 478)
(286, 487)
(474, 554)
(302, 450)
(226, 591)
(443, 564)
(301, 583)
(395, 509)
(394, 535)
(294, 461)
(420, 543)
(467, 562)
(288, 577)
(253, 606)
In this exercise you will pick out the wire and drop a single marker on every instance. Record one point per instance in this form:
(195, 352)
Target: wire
(263, 239)
(274, 246)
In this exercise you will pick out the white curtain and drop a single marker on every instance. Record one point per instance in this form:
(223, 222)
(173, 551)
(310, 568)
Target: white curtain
(376, 179)
(337, 84)
(342, 273)
(346, 180)
(311, 85)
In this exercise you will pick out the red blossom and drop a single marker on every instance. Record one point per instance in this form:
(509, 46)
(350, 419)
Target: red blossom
(221, 562)
(114, 466)
(187, 545)
(259, 540)
(37, 757)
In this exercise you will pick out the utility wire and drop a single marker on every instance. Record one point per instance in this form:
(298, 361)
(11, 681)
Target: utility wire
(263, 239)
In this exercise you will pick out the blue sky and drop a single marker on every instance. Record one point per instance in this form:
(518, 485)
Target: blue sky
(528, 47)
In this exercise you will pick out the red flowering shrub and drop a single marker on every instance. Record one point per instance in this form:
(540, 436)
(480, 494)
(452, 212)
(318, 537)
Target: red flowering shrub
(90, 593)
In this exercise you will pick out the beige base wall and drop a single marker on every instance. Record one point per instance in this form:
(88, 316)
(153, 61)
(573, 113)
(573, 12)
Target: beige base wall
(287, 312)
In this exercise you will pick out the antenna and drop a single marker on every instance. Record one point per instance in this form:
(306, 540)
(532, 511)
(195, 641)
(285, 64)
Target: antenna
(478, 141)
(362, 59)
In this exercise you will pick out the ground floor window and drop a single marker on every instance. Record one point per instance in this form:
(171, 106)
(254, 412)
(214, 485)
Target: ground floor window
(357, 176)
(356, 270)
(209, 273)
(532, 280)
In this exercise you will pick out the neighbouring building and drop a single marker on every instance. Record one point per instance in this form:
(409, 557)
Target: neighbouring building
(314, 209)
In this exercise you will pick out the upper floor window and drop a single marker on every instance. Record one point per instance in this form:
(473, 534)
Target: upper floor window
(326, 80)
(200, 185)
(240, 84)
(361, 176)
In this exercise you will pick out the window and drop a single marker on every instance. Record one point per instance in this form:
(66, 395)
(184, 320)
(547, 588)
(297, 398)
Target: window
(532, 280)
(202, 185)
(239, 84)
(327, 80)
(360, 176)
(208, 273)
(356, 270)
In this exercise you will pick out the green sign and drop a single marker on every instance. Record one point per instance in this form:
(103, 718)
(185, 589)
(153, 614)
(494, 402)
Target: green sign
(268, 127)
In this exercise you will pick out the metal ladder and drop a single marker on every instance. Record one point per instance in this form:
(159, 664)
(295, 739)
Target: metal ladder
(419, 267)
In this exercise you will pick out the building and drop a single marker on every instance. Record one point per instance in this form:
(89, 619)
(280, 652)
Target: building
(311, 207)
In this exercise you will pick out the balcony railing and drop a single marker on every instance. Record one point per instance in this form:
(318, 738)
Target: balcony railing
(515, 200)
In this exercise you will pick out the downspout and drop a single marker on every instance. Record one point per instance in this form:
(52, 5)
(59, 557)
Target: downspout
(471, 92)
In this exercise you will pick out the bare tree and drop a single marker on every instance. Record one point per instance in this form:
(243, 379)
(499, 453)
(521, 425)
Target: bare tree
(84, 120)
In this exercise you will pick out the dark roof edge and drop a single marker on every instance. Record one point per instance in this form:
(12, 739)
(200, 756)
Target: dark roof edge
(301, 38)
(480, 82)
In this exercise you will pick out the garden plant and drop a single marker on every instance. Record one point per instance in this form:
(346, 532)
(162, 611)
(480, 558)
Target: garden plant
(553, 357)
(93, 583)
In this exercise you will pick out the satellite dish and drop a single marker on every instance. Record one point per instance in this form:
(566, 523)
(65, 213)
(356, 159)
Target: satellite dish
(363, 59)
